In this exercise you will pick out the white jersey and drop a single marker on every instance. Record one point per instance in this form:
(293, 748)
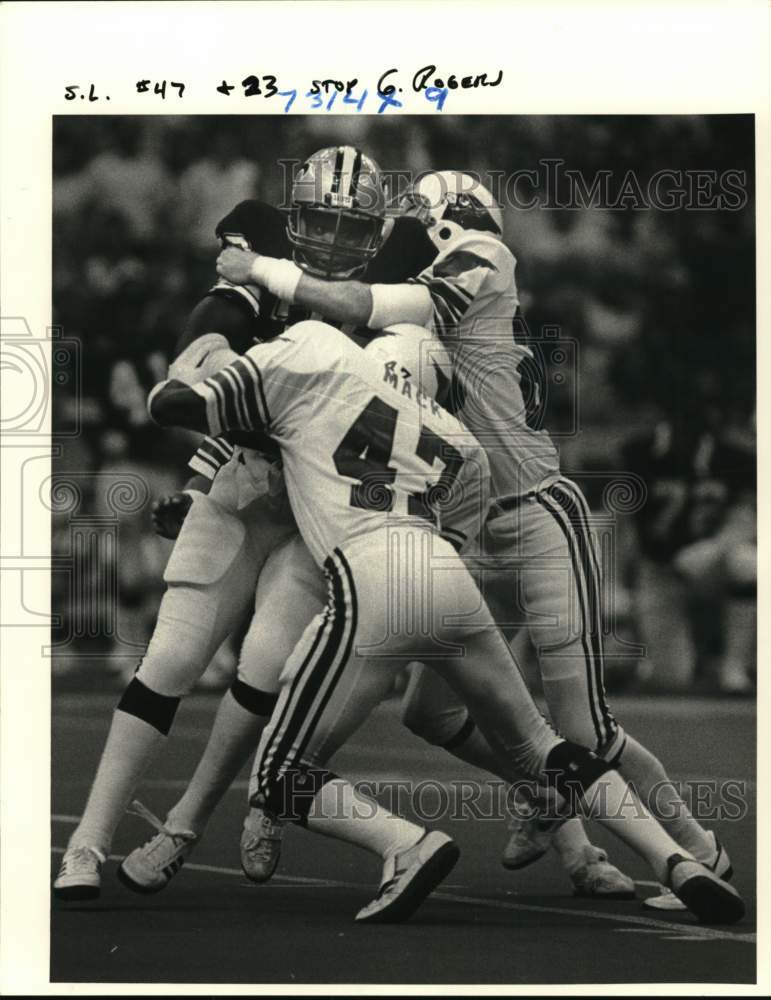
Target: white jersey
(474, 299)
(361, 445)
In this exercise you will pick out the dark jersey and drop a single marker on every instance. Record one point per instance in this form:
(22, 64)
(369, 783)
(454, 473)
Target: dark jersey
(246, 315)
(691, 484)
(257, 226)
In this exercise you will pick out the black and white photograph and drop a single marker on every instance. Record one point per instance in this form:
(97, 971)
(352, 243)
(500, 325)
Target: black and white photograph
(390, 437)
(400, 607)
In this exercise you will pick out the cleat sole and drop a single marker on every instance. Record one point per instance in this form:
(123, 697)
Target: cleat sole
(143, 890)
(437, 868)
(710, 901)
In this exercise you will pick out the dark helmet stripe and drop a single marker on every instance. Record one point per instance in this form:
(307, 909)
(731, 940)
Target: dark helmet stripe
(354, 191)
(338, 170)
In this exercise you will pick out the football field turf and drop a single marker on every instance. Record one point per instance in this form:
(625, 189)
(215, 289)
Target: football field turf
(483, 925)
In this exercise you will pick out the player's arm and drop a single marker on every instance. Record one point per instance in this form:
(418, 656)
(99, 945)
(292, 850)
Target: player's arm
(230, 399)
(373, 306)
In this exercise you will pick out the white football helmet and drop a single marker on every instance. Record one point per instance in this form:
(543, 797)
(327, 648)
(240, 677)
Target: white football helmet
(451, 198)
(416, 352)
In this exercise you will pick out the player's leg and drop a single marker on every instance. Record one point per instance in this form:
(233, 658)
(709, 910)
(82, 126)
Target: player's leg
(571, 659)
(434, 712)
(245, 707)
(209, 578)
(588, 782)
(484, 674)
(290, 591)
(327, 692)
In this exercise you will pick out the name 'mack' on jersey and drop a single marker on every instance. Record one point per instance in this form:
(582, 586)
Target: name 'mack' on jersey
(495, 385)
(255, 225)
(361, 446)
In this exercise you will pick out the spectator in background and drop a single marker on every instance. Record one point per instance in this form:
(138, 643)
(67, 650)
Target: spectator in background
(129, 176)
(696, 542)
(209, 188)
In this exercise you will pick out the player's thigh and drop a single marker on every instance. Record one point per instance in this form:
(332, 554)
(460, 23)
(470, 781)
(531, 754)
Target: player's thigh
(348, 656)
(529, 575)
(210, 580)
(291, 590)
(557, 577)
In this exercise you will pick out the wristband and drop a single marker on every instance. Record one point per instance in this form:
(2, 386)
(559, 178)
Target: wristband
(279, 276)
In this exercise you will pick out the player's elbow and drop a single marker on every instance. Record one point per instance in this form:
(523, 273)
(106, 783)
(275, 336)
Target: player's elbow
(173, 404)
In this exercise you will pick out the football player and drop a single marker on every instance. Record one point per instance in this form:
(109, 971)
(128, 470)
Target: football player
(698, 515)
(385, 485)
(228, 534)
(538, 534)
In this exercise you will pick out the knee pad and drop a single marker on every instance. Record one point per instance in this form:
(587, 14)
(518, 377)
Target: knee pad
(253, 699)
(291, 796)
(573, 770)
(157, 710)
(445, 729)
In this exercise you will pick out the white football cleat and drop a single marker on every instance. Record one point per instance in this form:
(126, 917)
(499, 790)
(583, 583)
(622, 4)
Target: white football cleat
(597, 878)
(708, 897)
(720, 864)
(530, 833)
(409, 877)
(80, 874)
(152, 866)
(260, 844)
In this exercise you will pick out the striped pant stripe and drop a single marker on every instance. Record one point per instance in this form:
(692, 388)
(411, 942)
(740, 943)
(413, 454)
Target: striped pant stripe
(316, 678)
(561, 501)
(595, 579)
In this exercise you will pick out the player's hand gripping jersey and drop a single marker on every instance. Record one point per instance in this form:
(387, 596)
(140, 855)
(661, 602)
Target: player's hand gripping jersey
(361, 445)
(247, 314)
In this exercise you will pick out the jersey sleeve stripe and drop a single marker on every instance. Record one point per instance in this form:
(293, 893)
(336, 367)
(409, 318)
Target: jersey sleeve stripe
(236, 399)
(215, 405)
(451, 295)
(261, 398)
(250, 390)
(230, 399)
(203, 465)
(218, 449)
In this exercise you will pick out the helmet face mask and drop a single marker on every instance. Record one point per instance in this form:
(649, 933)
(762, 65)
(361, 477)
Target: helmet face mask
(451, 196)
(338, 212)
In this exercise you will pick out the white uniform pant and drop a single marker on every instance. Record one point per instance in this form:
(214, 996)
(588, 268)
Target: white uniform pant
(539, 569)
(211, 577)
(397, 594)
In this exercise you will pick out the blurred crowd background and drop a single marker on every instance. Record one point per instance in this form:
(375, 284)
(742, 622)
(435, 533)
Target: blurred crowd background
(661, 306)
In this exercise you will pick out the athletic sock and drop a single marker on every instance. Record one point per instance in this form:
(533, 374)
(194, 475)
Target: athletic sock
(234, 737)
(471, 747)
(613, 803)
(339, 811)
(570, 841)
(131, 744)
(647, 776)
